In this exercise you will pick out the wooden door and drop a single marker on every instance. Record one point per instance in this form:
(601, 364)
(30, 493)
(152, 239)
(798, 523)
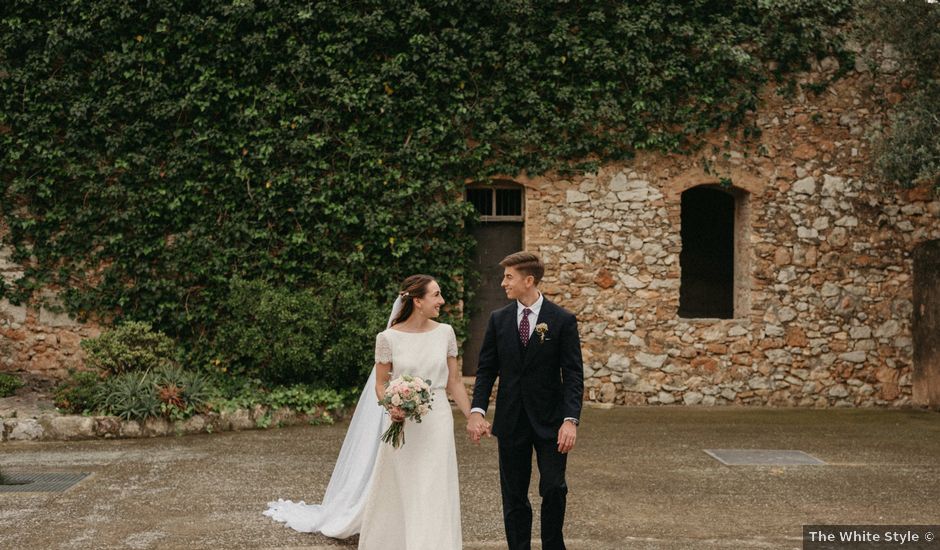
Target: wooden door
(495, 241)
(926, 324)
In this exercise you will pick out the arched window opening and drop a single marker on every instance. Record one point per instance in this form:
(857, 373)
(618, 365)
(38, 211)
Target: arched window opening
(707, 260)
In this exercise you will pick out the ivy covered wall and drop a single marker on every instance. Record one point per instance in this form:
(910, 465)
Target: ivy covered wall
(151, 153)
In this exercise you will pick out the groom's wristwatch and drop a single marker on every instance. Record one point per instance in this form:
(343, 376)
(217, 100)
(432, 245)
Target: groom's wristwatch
(574, 421)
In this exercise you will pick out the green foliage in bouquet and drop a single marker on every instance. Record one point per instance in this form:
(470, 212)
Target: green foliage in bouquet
(130, 346)
(322, 336)
(9, 384)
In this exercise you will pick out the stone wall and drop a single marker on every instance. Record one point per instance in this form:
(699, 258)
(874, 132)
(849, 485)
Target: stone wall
(35, 341)
(823, 294)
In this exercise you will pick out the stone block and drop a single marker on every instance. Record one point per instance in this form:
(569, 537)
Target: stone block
(692, 398)
(130, 428)
(155, 427)
(666, 398)
(239, 419)
(759, 383)
(650, 361)
(52, 319)
(608, 392)
(193, 425)
(833, 185)
(107, 426)
(618, 363)
(857, 356)
(860, 332)
(68, 427)
(805, 186)
(17, 314)
(284, 416)
(888, 329)
(23, 429)
(575, 196)
(618, 182)
(604, 279)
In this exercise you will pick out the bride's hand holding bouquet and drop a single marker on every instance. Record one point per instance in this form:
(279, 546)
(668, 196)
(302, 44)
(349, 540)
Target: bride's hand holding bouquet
(405, 397)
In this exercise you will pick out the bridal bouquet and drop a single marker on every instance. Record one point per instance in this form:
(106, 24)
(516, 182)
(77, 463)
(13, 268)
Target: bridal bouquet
(411, 395)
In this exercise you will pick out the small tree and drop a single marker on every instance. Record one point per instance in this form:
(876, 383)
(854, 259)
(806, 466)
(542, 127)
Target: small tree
(910, 152)
(130, 346)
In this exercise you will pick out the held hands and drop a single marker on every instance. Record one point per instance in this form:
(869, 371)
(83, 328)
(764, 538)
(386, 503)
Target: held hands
(477, 427)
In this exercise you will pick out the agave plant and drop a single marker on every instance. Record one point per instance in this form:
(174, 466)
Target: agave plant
(197, 389)
(132, 396)
(183, 388)
(171, 395)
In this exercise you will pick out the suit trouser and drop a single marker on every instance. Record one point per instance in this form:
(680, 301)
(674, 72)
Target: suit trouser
(515, 472)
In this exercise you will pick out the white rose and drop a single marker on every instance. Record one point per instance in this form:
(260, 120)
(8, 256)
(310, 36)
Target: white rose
(396, 400)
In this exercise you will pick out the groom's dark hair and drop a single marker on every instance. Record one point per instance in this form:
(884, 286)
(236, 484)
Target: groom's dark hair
(527, 263)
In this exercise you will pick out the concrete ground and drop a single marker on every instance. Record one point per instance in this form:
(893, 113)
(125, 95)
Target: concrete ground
(639, 479)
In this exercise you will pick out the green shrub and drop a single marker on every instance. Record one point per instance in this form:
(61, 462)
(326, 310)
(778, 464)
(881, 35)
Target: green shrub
(9, 384)
(131, 396)
(177, 394)
(306, 399)
(321, 336)
(319, 403)
(910, 153)
(131, 346)
(80, 393)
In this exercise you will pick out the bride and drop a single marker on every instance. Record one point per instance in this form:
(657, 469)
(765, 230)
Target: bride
(404, 498)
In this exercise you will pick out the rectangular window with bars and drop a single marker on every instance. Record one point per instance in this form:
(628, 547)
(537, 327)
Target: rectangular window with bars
(497, 203)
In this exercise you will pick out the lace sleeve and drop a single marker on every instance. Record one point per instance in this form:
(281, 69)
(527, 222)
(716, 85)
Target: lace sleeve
(451, 343)
(383, 350)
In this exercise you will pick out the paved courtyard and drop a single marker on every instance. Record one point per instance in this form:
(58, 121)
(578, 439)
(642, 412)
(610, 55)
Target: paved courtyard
(639, 479)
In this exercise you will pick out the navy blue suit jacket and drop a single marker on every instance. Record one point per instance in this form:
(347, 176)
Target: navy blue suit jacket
(543, 381)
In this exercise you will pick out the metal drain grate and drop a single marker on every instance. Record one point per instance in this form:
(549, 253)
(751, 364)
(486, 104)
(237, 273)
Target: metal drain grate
(762, 457)
(40, 482)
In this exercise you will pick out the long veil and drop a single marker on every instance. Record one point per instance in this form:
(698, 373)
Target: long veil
(340, 514)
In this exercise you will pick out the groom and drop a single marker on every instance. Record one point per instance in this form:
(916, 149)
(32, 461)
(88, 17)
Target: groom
(532, 346)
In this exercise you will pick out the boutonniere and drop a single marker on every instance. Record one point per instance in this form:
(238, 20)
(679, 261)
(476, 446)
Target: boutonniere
(541, 328)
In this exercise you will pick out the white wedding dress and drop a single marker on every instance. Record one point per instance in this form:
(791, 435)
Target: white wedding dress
(414, 501)
(397, 499)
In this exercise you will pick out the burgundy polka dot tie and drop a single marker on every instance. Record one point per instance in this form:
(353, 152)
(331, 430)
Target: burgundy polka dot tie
(524, 327)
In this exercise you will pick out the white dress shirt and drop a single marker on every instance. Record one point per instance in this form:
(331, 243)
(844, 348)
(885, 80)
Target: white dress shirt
(534, 310)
